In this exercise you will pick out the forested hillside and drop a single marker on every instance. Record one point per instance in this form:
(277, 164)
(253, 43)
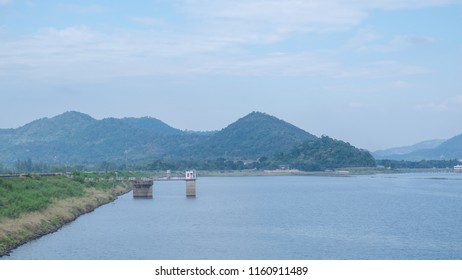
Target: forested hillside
(260, 139)
(74, 137)
(253, 136)
(429, 150)
(326, 153)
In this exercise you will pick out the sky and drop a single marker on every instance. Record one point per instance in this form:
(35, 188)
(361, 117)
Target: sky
(377, 74)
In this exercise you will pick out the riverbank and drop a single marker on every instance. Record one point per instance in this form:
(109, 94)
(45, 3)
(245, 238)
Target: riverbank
(293, 172)
(330, 173)
(17, 230)
(29, 226)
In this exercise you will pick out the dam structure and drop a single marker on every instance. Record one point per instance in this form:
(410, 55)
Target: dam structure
(143, 188)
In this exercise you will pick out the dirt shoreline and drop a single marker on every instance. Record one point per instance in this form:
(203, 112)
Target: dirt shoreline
(31, 226)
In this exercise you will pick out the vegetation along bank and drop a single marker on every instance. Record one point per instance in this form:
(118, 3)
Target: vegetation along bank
(34, 205)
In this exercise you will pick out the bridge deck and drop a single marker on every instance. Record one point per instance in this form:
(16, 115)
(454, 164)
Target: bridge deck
(172, 179)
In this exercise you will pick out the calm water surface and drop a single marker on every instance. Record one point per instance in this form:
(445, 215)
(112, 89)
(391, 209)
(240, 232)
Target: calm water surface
(406, 216)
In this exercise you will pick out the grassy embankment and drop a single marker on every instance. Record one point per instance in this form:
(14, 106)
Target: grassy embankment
(34, 206)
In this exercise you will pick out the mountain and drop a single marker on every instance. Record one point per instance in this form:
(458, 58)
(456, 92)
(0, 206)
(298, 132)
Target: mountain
(399, 152)
(152, 124)
(429, 150)
(76, 138)
(62, 126)
(43, 138)
(253, 136)
(449, 149)
(326, 153)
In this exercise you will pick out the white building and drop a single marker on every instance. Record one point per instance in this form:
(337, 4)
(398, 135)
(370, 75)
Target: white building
(190, 175)
(458, 168)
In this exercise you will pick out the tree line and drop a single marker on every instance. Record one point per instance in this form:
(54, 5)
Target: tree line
(323, 155)
(403, 164)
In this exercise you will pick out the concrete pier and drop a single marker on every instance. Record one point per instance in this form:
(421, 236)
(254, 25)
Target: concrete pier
(142, 188)
(191, 188)
(190, 178)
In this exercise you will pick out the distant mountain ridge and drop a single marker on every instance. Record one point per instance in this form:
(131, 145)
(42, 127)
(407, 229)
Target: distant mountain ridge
(77, 138)
(397, 152)
(449, 149)
(327, 153)
(48, 129)
(427, 150)
(74, 137)
(253, 136)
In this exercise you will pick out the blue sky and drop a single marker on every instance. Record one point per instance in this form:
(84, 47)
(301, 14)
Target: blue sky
(377, 74)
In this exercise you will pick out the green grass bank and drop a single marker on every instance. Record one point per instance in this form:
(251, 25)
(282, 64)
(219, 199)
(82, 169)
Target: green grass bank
(33, 206)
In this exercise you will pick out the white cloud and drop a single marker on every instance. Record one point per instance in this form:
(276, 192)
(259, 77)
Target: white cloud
(84, 9)
(356, 105)
(362, 38)
(214, 39)
(279, 64)
(399, 84)
(284, 17)
(148, 21)
(281, 17)
(453, 104)
(403, 4)
(369, 40)
(82, 53)
(65, 52)
(399, 43)
(71, 35)
(382, 69)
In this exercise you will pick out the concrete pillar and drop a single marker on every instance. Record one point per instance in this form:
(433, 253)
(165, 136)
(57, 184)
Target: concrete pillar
(142, 189)
(191, 187)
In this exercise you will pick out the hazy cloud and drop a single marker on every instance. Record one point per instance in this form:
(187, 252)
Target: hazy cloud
(147, 21)
(453, 104)
(280, 64)
(401, 43)
(382, 69)
(67, 36)
(83, 9)
(295, 15)
(281, 17)
(66, 52)
(290, 58)
(82, 53)
(55, 52)
(399, 84)
(369, 40)
(356, 105)
(362, 38)
(217, 42)
(404, 4)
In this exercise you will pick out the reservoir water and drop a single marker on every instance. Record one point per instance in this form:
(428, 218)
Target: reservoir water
(404, 216)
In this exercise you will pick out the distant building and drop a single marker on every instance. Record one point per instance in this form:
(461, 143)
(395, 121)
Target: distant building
(458, 168)
(190, 175)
